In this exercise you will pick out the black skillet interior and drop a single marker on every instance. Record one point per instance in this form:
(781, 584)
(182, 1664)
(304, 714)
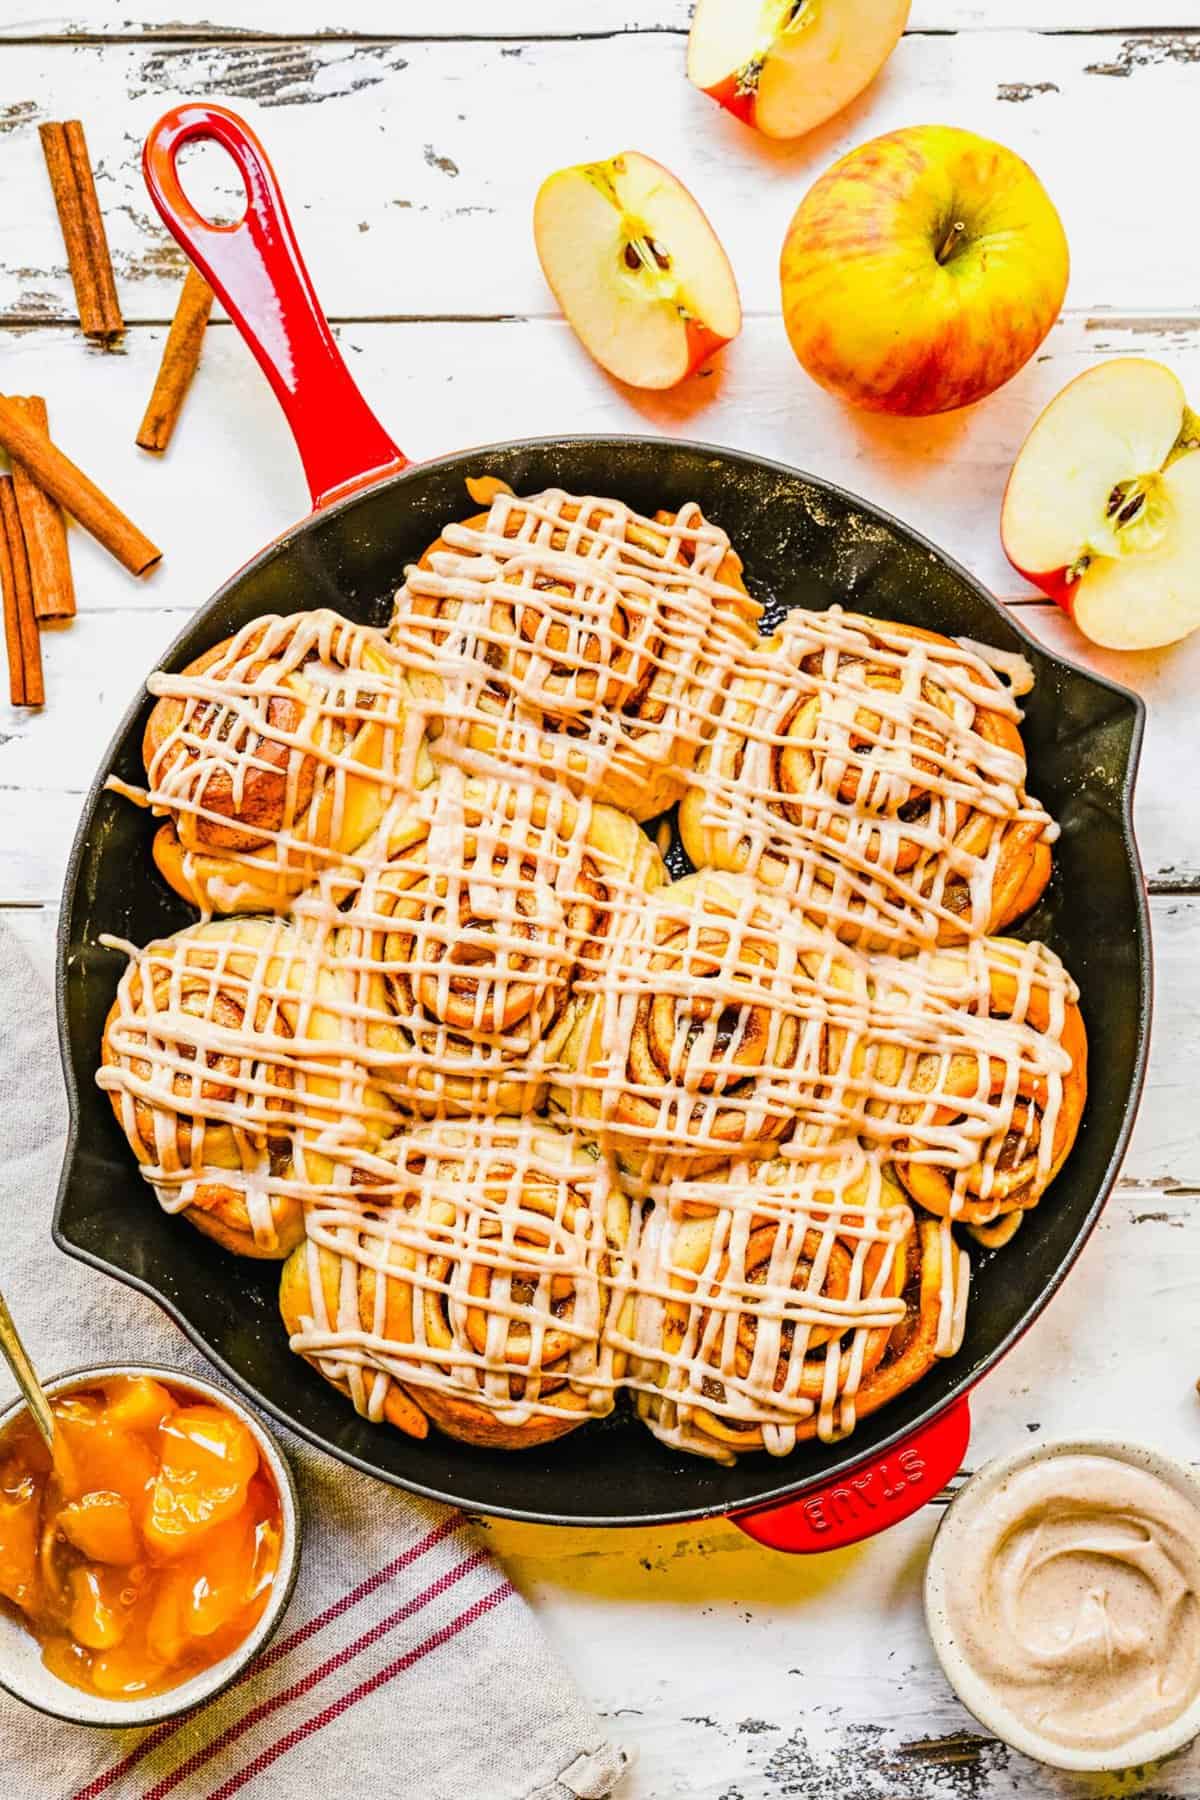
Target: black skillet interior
(804, 544)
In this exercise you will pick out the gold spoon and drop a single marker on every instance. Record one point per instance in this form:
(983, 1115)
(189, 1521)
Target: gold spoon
(17, 1358)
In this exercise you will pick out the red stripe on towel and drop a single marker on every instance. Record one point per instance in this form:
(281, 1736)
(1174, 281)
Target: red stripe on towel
(100, 1784)
(319, 1720)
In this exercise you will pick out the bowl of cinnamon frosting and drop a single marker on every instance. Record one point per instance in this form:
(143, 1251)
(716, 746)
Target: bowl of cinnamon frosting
(1062, 1595)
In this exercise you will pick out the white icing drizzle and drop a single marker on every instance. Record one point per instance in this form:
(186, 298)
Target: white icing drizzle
(725, 1018)
(229, 1076)
(746, 1073)
(1016, 670)
(770, 1297)
(573, 639)
(494, 1245)
(467, 932)
(273, 756)
(877, 776)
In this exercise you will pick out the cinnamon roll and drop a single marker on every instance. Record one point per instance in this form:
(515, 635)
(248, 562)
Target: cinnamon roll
(225, 1062)
(576, 640)
(975, 1077)
(484, 916)
(473, 1267)
(274, 755)
(784, 1300)
(876, 773)
(719, 1024)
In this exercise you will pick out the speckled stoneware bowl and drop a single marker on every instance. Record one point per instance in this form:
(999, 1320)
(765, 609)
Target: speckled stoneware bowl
(22, 1672)
(975, 1693)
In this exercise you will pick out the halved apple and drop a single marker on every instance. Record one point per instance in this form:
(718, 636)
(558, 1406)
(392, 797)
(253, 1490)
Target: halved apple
(636, 267)
(785, 66)
(1102, 508)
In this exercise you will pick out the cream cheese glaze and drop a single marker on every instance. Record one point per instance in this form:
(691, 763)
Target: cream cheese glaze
(1070, 1588)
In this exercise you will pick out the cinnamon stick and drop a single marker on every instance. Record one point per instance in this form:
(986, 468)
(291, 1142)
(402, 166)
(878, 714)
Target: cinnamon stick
(45, 530)
(180, 357)
(25, 684)
(74, 491)
(65, 150)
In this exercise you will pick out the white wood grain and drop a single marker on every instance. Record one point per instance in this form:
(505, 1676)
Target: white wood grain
(533, 18)
(412, 168)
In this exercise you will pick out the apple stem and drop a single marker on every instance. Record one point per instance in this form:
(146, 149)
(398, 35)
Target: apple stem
(951, 241)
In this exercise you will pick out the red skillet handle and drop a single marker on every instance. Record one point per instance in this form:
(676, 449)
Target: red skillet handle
(256, 270)
(871, 1497)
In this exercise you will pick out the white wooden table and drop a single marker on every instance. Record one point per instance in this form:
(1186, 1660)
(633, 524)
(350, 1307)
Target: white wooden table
(410, 139)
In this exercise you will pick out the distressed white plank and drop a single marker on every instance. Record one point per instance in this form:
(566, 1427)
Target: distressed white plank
(537, 18)
(413, 167)
(231, 481)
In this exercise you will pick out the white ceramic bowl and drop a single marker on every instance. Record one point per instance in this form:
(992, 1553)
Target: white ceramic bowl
(22, 1671)
(976, 1693)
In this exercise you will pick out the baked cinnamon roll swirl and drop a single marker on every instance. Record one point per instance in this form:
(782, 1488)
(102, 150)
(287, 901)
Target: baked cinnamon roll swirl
(224, 1060)
(783, 1301)
(719, 1025)
(875, 772)
(274, 755)
(473, 1267)
(975, 1077)
(483, 918)
(576, 640)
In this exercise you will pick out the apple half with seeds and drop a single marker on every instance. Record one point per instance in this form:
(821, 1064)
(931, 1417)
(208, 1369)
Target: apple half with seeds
(785, 66)
(636, 267)
(1102, 508)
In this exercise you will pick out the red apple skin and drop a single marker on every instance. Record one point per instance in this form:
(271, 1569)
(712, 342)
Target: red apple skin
(734, 97)
(1054, 583)
(701, 344)
(871, 312)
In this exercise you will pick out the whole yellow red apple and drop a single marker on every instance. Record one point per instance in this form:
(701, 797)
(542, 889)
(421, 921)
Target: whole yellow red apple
(922, 271)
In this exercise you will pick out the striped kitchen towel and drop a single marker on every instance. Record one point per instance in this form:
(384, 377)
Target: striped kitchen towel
(407, 1666)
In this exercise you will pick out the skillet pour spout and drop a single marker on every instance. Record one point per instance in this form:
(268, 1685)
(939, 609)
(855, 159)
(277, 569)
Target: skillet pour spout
(805, 543)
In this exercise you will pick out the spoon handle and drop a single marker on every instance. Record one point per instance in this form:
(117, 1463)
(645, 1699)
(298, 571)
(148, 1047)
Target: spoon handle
(23, 1372)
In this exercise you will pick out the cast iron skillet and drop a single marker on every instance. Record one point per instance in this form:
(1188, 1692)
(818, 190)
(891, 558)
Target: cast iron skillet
(805, 543)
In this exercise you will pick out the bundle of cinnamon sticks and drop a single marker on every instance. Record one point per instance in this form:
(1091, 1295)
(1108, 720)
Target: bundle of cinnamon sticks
(35, 567)
(36, 582)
